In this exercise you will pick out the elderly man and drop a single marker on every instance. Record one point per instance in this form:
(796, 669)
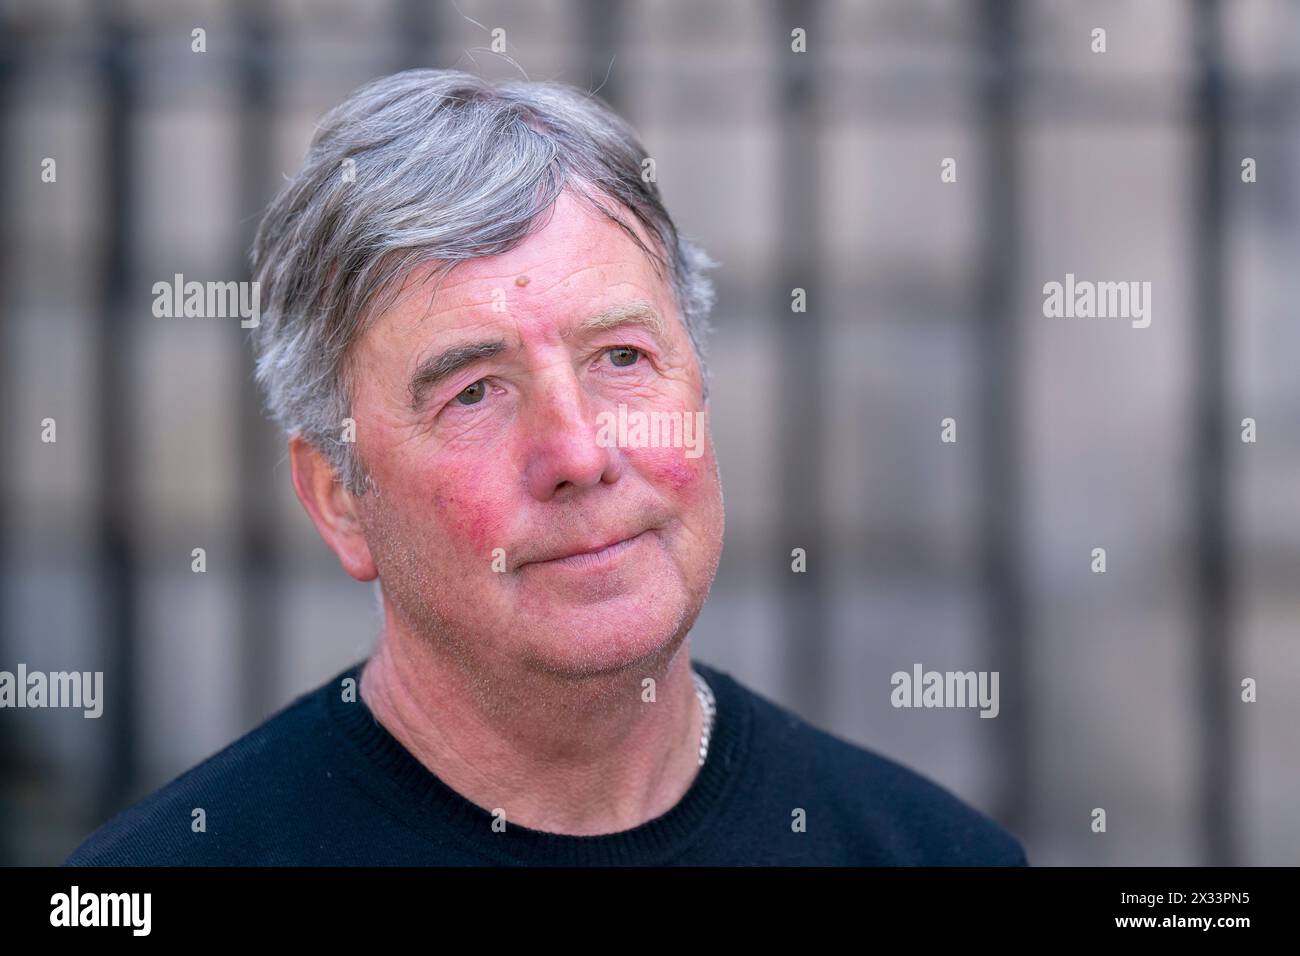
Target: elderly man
(482, 334)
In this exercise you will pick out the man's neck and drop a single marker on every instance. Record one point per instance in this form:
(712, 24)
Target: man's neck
(578, 756)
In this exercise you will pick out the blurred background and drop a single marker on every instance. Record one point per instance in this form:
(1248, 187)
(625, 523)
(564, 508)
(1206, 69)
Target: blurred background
(818, 170)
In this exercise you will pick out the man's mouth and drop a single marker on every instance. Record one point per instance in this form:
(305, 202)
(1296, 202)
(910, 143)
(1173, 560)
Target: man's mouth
(590, 556)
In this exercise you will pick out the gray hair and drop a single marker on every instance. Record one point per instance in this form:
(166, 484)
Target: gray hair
(433, 166)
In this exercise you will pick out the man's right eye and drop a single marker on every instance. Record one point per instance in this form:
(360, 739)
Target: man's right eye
(473, 394)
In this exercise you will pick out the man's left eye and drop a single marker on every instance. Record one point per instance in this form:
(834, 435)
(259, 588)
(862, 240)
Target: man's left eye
(473, 393)
(624, 355)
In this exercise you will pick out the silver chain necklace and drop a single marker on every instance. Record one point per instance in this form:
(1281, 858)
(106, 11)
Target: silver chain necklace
(710, 707)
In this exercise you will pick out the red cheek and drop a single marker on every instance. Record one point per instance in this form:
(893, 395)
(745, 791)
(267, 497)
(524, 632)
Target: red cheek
(475, 525)
(676, 472)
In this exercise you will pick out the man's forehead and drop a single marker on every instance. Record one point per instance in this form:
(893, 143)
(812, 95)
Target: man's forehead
(579, 271)
(574, 245)
(477, 295)
(453, 316)
(481, 324)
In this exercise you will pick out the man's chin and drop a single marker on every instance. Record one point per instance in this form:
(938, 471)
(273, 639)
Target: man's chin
(599, 640)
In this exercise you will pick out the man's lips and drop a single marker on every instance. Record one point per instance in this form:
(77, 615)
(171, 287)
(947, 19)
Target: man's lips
(589, 555)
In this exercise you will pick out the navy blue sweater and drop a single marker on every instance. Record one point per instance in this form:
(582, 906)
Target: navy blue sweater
(323, 783)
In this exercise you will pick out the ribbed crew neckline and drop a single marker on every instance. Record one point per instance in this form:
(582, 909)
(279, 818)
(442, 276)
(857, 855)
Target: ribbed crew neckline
(421, 798)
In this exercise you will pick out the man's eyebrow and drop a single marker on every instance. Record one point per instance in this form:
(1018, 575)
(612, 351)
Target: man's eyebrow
(640, 314)
(442, 365)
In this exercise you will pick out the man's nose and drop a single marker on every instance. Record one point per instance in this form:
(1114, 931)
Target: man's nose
(561, 428)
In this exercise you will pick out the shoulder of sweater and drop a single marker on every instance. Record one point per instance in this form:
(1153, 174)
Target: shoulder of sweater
(924, 818)
(157, 829)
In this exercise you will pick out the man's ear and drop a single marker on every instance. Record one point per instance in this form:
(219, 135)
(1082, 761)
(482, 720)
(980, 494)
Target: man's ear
(332, 508)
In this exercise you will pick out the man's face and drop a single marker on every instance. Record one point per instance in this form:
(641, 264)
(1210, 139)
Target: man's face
(507, 523)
